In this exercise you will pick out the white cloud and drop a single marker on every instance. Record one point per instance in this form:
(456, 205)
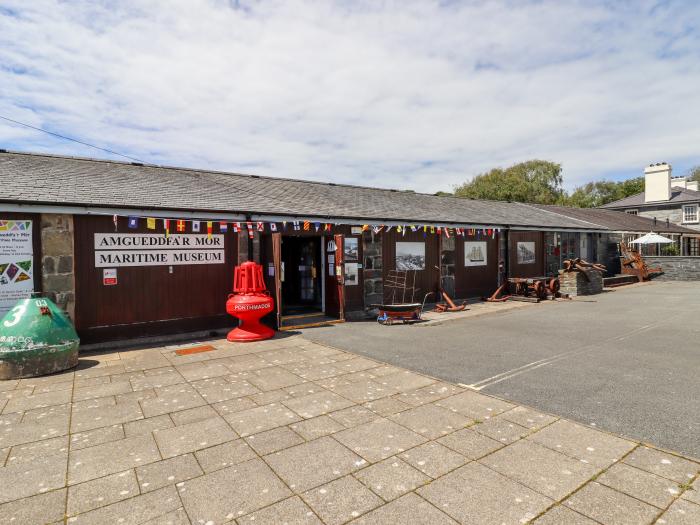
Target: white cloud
(419, 95)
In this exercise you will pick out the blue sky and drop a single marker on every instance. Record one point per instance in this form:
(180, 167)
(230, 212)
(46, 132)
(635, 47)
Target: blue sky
(421, 95)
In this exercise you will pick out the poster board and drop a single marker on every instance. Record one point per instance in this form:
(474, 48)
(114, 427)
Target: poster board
(526, 252)
(410, 256)
(16, 263)
(475, 253)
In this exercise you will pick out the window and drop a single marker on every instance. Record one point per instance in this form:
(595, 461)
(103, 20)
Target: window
(693, 246)
(690, 213)
(631, 212)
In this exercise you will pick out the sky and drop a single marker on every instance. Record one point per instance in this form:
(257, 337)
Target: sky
(419, 95)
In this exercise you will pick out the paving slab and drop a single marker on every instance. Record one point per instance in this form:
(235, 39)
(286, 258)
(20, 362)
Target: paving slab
(273, 440)
(39, 509)
(353, 416)
(221, 496)
(470, 444)
(172, 399)
(193, 436)
(474, 405)
(145, 426)
(379, 439)
(410, 508)
(662, 464)
(132, 511)
(431, 421)
(176, 517)
(363, 391)
(259, 419)
(405, 381)
(433, 459)
(107, 389)
(167, 472)
(31, 452)
(192, 415)
(313, 463)
(231, 406)
(527, 417)
(341, 500)
(272, 378)
(102, 492)
(606, 505)
(22, 403)
(89, 419)
(563, 516)
(222, 388)
(693, 492)
(316, 427)
(501, 430)
(476, 494)
(392, 478)
(97, 436)
(291, 511)
(317, 404)
(29, 478)
(640, 484)
(682, 512)
(224, 455)
(387, 406)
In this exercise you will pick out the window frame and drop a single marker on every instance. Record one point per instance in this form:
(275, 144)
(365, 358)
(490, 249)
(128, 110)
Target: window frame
(632, 211)
(683, 214)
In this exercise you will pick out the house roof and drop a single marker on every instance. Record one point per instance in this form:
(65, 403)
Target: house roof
(678, 196)
(616, 220)
(57, 180)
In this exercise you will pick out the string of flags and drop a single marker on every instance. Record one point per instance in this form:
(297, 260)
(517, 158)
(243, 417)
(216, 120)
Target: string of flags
(249, 227)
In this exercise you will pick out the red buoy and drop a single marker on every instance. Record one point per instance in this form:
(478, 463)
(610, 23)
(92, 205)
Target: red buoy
(250, 302)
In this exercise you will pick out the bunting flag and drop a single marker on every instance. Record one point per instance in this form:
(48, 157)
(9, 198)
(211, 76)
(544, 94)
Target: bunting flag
(223, 227)
(328, 226)
(413, 228)
(432, 229)
(150, 223)
(195, 227)
(376, 229)
(307, 226)
(251, 232)
(403, 231)
(439, 230)
(210, 229)
(115, 220)
(388, 228)
(180, 225)
(296, 226)
(236, 227)
(317, 226)
(273, 226)
(447, 233)
(261, 226)
(365, 227)
(166, 225)
(133, 222)
(398, 228)
(284, 225)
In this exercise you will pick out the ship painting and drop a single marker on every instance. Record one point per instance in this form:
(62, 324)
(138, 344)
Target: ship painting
(474, 253)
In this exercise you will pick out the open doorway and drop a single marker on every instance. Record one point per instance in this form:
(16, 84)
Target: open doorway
(302, 285)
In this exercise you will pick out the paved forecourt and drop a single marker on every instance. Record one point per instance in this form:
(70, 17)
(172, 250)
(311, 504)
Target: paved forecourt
(292, 431)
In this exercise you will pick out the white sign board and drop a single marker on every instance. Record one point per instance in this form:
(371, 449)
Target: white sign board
(475, 253)
(16, 263)
(147, 249)
(109, 276)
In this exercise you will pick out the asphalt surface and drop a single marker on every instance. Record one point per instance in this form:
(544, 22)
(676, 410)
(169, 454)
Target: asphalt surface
(626, 361)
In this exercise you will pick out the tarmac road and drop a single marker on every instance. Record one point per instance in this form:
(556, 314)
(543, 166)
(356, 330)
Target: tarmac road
(626, 361)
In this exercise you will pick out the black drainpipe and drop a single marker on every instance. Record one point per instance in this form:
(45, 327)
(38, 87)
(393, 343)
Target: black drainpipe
(506, 255)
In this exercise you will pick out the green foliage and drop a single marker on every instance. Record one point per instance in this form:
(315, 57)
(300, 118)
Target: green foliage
(670, 249)
(693, 173)
(537, 181)
(595, 194)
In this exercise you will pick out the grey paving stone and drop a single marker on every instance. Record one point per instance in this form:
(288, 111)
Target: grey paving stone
(107, 389)
(313, 463)
(193, 436)
(410, 508)
(8, 384)
(99, 371)
(291, 511)
(108, 458)
(431, 421)
(663, 464)
(22, 403)
(31, 452)
(387, 406)
(224, 455)
(102, 492)
(501, 430)
(246, 363)
(167, 472)
(476, 494)
(470, 444)
(172, 377)
(274, 440)
(203, 370)
(39, 509)
(61, 377)
(682, 512)
(272, 378)
(133, 511)
(177, 517)
(303, 389)
(221, 496)
(192, 415)
(269, 397)
(354, 416)
(550, 473)
(138, 395)
(30, 478)
(4, 452)
(221, 388)
(341, 500)
(379, 439)
(562, 516)
(84, 420)
(231, 406)
(405, 381)
(96, 437)
(433, 459)
(692, 494)
(317, 404)
(391, 478)
(528, 418)
(475, 406)
(363, 391)
(15, 433)
(606, 505)
(259, 419)
(316, 427)
(146, 426)
(645, 486)
(586, 444)
(172, 399)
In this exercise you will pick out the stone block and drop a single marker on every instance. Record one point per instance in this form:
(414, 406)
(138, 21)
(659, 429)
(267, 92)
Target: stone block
(606, 505)
(392, 478)
(290, 511)
(101, 492)
(379, 439)
(56, 242)
(341, 500)
(58, 283)
(48, 265)
(410, 508)
(65, 264)
(433, 459)
(167, 472)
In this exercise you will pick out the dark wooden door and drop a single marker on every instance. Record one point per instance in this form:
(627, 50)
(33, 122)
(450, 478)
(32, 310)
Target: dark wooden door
(526, 253)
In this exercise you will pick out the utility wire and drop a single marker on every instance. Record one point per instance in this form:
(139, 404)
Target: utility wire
(73, 140)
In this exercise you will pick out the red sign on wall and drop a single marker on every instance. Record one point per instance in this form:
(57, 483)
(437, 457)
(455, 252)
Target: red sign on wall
(109, 276)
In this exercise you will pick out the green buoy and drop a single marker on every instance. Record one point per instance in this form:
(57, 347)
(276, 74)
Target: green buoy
(36, 338)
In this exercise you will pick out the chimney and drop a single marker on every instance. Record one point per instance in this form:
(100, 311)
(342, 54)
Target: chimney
(657, 182)
(692, 185)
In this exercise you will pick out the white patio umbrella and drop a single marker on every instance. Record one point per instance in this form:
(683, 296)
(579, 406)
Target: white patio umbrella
(652, 238)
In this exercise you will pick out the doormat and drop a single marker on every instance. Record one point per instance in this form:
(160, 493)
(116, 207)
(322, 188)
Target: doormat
(195, 350)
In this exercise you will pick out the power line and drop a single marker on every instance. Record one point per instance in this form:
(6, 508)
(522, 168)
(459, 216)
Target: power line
(73, 140)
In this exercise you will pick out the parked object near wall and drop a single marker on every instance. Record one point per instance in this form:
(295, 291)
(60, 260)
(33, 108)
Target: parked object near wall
(587, 282)
(250, 302)
(633, 263)
(36, 338)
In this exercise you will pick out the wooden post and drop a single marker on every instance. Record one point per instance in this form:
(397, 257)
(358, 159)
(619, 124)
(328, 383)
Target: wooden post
(277, 261)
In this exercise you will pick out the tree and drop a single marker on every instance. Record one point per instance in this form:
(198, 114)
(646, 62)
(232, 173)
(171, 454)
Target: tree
(537, 181)
(595, 194)
(693, 173)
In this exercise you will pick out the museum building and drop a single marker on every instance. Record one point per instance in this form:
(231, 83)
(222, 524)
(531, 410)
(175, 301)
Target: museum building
(132, 250)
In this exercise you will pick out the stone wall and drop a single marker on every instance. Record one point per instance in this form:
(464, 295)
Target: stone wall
(575, 283)
(57, 260)
(675, 268)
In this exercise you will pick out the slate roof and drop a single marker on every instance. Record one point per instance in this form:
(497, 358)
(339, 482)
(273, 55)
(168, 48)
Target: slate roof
(57, 180)
(616, 220)
(678, 196)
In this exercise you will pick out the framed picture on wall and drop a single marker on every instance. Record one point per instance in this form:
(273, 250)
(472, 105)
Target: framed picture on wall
(526, 252)
(410, 256)
(350, 250)
(475, 253)
(351, 278)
